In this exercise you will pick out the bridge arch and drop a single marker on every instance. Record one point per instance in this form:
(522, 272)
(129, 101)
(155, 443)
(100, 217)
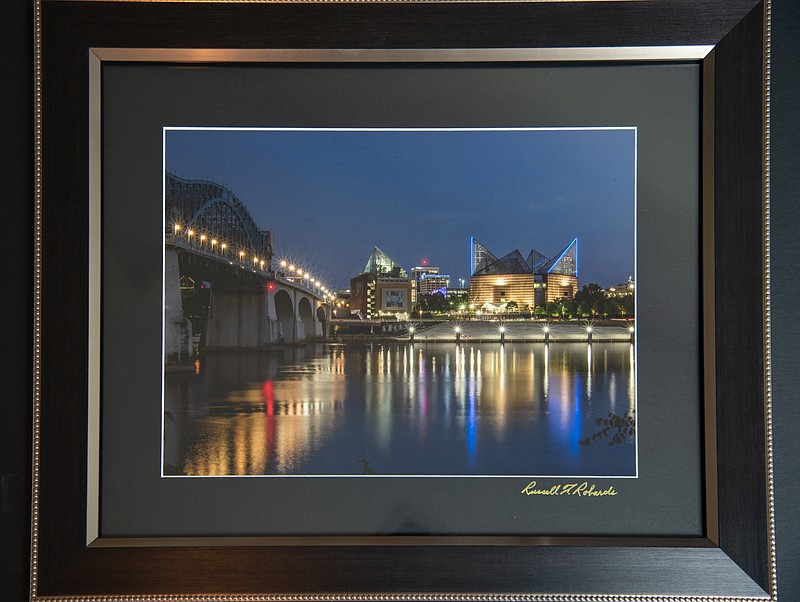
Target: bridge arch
(206, 205)
(284, 310)
(323, 316)
(306, 317)
(229, 222)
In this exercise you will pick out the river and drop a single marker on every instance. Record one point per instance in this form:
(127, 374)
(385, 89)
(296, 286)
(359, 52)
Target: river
(395, 408)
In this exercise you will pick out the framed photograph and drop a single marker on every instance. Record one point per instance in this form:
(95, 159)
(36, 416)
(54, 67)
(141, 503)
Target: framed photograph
(402, 301)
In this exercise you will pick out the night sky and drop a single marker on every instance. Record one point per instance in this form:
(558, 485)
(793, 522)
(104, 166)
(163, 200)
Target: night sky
(331, 196)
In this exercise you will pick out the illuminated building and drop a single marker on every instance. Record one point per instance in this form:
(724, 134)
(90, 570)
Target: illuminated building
(341, 305)
(528, 282)
(187, 284)
(429, 284)
(621, 289)
(417, 273)
(382, 289)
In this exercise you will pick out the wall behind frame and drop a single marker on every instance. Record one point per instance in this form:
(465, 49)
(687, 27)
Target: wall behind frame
(16, 164)
(15, 387)
(785, 217)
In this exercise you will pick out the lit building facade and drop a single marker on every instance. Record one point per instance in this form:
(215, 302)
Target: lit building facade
(341, 306)
(393, 297)
(383, 289)
(416, 274)
(429, 284)
(559, 286)
(528, 282)
(496, 291)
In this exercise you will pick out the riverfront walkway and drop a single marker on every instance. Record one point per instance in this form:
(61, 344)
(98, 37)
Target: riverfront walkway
(523, 331)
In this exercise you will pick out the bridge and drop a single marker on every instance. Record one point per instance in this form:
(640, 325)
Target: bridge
(211, 237)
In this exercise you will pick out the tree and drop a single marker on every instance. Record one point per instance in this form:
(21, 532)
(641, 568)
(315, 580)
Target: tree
(600, 306)
(511, 306)
(590, 293)
(627, 304)
(456, 300)
(435, 303)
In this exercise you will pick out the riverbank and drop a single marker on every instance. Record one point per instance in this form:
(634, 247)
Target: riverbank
(509, 332)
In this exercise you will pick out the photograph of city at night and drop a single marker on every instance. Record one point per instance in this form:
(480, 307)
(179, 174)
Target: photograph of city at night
(400, 302)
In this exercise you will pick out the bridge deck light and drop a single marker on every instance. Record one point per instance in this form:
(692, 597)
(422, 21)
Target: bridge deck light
(177, 227)
(190, 233)
(241, 254)
(223, 246)
(213, 242)
(292, 268)
(202, 237)
(283, 264)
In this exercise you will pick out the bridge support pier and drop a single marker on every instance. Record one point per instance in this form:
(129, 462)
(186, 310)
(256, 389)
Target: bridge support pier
(239, 320)
(178, 346)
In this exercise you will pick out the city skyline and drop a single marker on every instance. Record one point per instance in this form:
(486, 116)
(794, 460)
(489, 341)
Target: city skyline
(330, 196)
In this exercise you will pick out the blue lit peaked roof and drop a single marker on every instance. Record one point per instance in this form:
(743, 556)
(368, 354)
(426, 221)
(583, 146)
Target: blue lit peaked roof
(484, 263)
(566, 262)
(480, 256)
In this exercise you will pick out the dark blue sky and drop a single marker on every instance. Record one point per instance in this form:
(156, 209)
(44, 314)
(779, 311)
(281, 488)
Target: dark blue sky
(330, 196)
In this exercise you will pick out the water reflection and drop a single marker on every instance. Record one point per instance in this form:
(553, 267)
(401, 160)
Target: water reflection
(395, 408)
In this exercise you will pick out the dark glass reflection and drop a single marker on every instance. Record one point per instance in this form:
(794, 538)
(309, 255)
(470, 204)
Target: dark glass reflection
(400, 409)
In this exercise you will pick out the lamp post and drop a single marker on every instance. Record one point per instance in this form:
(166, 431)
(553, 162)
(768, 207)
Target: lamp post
(458, 335)
(502, 335)
(589, 330)
(546, 331)
(411, 334)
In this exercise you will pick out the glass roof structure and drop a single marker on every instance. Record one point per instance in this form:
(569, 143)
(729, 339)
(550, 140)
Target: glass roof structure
(480, 256)
(379, 263)
(485, 263)
(566, 262)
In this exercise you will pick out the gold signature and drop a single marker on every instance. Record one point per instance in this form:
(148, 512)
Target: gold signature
(584, 489)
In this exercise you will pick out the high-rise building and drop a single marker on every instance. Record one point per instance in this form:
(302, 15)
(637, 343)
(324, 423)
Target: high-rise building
(527, 282)
(416, 274)
(429, 284)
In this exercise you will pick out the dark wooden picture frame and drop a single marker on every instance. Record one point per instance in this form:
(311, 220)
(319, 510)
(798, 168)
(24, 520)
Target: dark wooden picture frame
(735, 560)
